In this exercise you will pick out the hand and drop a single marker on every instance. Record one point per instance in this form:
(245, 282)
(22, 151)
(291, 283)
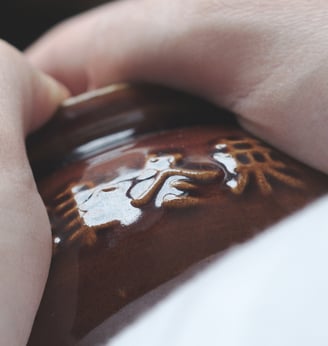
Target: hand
(27, 99)
(264, 60)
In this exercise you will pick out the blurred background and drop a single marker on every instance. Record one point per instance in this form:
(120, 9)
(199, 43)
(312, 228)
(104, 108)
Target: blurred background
(22, 21)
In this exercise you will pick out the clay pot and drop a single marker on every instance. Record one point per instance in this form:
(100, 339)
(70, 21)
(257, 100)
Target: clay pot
(141, 183)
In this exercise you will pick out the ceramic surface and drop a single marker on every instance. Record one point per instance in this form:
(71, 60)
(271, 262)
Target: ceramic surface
(140, 184)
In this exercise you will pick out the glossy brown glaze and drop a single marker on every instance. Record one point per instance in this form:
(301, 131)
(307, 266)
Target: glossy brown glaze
(156, 195)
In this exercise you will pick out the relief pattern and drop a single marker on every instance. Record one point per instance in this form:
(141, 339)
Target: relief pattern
(89, 208)
(246, 157)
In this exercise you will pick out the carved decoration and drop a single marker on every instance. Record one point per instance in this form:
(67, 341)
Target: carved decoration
(88, 208)
(246, 157)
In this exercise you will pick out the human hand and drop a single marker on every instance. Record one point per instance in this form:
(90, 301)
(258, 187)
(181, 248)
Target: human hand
(27, 99)
(264, 60)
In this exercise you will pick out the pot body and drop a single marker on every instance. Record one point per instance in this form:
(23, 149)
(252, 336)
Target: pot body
(141, 183)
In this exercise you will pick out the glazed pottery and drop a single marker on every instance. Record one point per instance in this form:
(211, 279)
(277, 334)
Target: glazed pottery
(141, 183)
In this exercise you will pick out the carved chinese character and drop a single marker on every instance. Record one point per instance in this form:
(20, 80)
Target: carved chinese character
(246, 157)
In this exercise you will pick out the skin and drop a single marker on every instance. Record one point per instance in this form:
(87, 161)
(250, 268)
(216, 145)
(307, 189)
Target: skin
(27, 99)
(264, 60)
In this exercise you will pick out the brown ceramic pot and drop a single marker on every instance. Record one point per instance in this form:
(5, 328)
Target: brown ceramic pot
(140, 183)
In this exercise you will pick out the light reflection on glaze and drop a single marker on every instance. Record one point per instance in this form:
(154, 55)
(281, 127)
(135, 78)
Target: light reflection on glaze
(106, 204)
(161, 182)
(97, 145)
(229, 163)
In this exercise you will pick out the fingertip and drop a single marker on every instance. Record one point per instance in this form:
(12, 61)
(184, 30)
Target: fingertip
(49, 94)
(57, 91)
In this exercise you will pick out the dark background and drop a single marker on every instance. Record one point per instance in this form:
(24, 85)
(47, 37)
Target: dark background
(22, 21)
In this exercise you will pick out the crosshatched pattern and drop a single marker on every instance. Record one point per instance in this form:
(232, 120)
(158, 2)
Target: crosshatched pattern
(243, 157)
